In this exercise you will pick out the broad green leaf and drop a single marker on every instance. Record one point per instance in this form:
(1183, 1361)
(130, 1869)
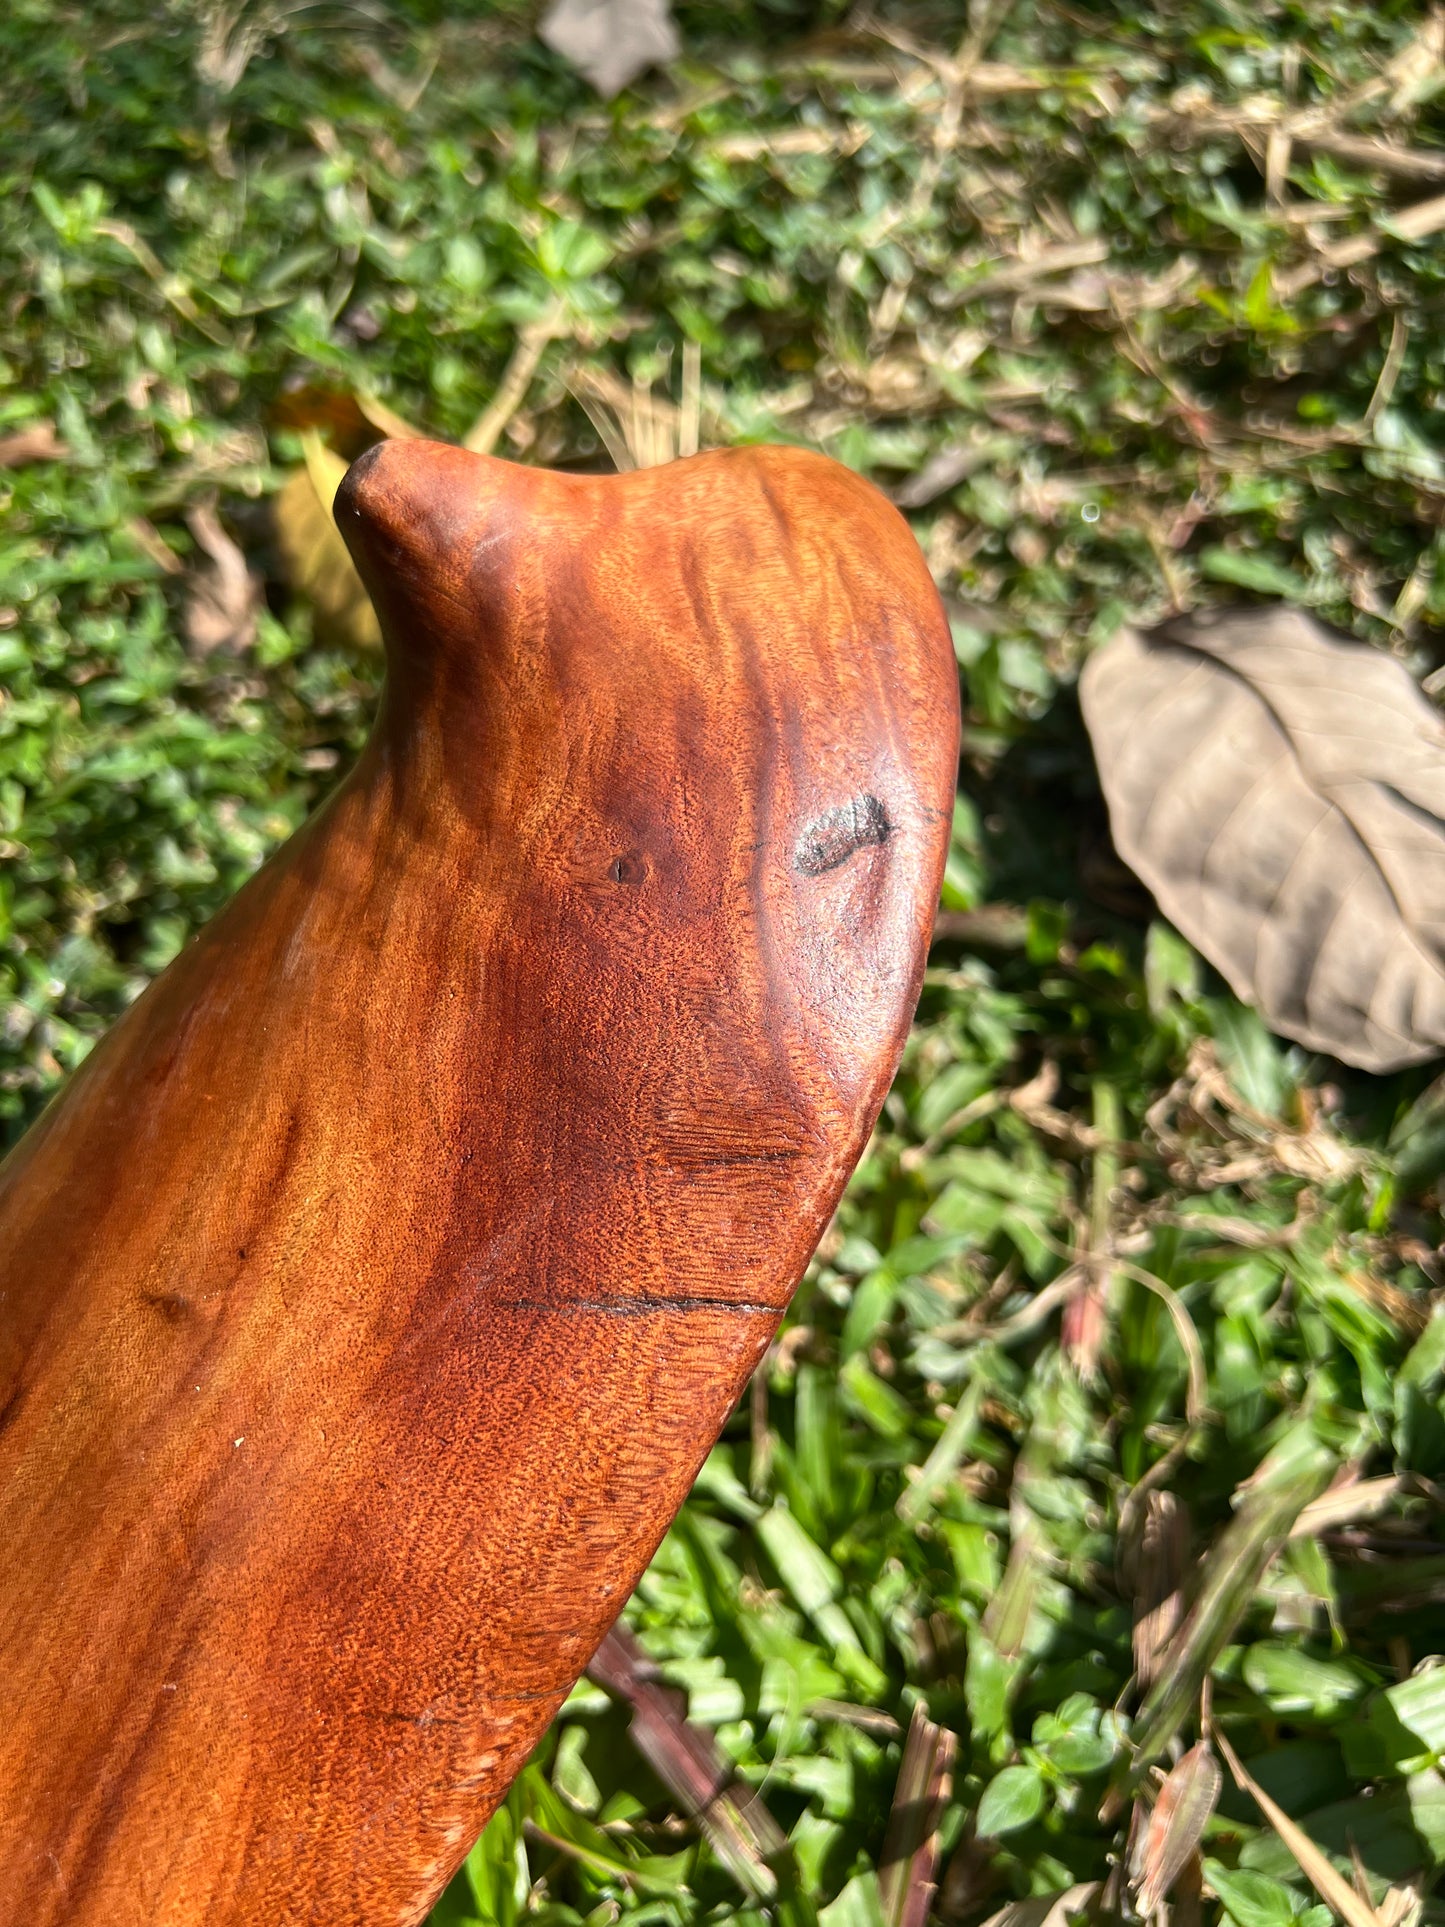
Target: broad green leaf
(1078, 1739)
(1294, 1682)
(1254, 1900)
(1011, 1800)
(987, 1682)
(1383, 1744)
(857, 1905)
(880, 1407)
(948, 1093)
(1424, 1364)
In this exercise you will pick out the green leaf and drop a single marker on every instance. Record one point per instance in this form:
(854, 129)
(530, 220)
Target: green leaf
(1246, 570)
(949, 1092)
(858, 1905)
(1077, 1739)
(1403, 1729)
(870, 1307)
(1424, 1363)
(1171, 969)
(1254, 1900)
(568, 252)
(1293, 1682)
(1011, 1800)
(496, 1870)
(1394, 1831)
(953, 1442)
(817, 1585)
(886, 1411)
(987, 1681)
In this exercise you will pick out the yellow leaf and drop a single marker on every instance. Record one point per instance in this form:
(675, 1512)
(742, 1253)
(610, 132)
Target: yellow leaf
(317, 563)
(386, 421)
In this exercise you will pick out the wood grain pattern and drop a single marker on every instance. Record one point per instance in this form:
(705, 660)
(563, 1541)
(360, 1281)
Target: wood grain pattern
(371, 1296)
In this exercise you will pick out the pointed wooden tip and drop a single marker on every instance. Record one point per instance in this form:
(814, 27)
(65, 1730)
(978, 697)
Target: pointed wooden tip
(404, 506)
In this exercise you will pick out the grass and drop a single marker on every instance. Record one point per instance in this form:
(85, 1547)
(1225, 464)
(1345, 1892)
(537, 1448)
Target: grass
(1110, 1415)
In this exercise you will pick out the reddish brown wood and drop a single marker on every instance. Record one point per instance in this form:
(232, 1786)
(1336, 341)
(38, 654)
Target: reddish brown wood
(371, 1296)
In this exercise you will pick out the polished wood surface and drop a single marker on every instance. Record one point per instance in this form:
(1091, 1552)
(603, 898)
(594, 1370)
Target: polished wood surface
(371, 1296)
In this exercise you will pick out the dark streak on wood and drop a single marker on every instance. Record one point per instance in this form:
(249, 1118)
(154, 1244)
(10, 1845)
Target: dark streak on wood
(633, 1305)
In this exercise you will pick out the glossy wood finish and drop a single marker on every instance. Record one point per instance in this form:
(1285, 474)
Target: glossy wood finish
(371, 1296)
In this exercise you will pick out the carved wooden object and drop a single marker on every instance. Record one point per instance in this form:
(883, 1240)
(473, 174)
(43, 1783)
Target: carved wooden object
(372, 1295)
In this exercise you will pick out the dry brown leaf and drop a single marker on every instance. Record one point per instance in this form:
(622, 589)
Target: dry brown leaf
(637, 428)
(611, 41)
(224, 598)
(691, 1765)
(153, 545)
(942, 472)
(1282, 792)
(532, 339)
(908, 1869)
(317, 562)
(229, 461)
(36, 442)
(1266, 1507)
(1345, 1505)
(1415, 69)
(1155, 1572)
(1400, 1904)
(1176, 1826)
(1326, 1879)
(1045, 1910)
(349, 421)
(385, 420)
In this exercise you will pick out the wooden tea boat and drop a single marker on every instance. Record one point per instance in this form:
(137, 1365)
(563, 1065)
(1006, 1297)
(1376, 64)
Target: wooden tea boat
(371, 1296)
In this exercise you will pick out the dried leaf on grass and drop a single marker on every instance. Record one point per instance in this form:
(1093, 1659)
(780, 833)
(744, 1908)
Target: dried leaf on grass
(532, 339)
(908, 1868)
(1295, 1472)
(223, 599)
(351, 422)
(36, 442)
(1176, 1826)
(1346, 1505)
(1282, 793)
(611, 41)
(153, 545)
(940, 473)
(316, 560)
(637, 428)
(1045, 1910)
(688, 1761)
(1154, 1571)
(1326, 1879)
